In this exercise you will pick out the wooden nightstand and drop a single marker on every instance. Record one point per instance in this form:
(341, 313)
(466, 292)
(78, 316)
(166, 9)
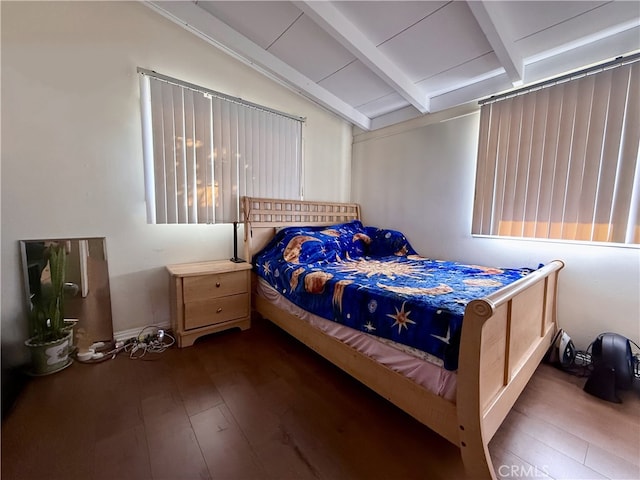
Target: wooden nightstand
(208, 297)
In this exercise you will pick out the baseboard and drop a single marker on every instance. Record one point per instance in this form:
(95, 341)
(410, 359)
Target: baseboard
(134, 332)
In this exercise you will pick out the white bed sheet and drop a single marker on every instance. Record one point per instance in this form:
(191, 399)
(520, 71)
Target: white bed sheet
(414, 364)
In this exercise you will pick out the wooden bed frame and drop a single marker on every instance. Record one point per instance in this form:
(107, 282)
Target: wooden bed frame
(504, 338)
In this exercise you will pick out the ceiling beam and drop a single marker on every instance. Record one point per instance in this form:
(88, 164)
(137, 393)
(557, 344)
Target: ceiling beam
(332, 21)
(200, 22)
(488, 17)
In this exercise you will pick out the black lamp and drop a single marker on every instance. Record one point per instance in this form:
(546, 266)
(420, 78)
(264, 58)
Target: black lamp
(235, 258)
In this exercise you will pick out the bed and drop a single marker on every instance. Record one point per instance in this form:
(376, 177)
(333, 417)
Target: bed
(501, 339)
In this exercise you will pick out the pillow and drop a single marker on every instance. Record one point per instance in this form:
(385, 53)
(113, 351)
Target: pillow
(306, 245)
(343, 228)
(387, 242)
(351, 237)
(310, 247)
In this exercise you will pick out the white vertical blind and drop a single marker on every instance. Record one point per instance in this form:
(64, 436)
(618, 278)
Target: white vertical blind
(203, 152)
(561, 162)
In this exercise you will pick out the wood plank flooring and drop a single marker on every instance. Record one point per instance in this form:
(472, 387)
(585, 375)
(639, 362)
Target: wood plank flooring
(259, 405)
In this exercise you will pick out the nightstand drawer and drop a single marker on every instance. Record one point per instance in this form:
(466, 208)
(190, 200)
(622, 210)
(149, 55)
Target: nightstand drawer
(217, 310)
(202, 287)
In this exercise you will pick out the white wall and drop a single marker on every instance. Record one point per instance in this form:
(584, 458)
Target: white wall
(420, 179)
(72, 151)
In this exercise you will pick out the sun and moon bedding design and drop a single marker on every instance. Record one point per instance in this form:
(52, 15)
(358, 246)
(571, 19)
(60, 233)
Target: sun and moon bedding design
(372, 280)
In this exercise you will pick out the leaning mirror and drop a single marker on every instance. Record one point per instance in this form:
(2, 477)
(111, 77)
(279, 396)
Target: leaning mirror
(87, 299)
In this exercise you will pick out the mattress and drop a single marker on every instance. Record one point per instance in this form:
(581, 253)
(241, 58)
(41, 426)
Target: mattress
(373, 281)
(422, 368)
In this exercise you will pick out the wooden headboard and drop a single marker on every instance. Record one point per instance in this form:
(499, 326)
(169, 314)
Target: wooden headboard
(263, 215)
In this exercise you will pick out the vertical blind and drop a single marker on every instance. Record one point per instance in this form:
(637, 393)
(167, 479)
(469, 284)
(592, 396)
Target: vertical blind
(203, 152)
(561, 161)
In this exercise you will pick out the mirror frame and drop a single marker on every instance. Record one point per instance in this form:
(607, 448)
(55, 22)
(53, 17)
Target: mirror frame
(84, 290)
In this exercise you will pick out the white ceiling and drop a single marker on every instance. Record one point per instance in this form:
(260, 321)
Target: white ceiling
(376, 63)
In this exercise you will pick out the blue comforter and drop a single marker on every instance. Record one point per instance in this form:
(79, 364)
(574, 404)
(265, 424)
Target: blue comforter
(372, 280)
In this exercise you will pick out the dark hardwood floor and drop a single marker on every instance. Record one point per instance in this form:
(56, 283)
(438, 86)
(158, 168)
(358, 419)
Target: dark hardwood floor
(257, 404)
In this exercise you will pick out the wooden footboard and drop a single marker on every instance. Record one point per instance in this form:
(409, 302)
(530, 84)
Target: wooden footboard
(504, 338)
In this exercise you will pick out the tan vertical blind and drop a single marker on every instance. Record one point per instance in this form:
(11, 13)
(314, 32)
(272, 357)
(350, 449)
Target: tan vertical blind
(203, 152)
(561, 161)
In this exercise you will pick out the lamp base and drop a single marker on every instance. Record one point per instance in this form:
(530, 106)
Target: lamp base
(235, 258)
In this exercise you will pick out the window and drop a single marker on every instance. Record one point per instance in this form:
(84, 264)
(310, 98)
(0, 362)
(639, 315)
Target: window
(203, 150)
(561, 161)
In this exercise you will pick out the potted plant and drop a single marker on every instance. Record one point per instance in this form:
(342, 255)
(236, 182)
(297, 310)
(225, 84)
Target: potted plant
(51, 338)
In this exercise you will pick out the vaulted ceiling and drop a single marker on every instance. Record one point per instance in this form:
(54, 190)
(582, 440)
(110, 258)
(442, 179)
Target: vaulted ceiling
(377, 63)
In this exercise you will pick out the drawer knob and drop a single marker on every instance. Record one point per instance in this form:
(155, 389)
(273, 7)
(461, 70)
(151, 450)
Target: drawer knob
(219, 310)
(217, 284)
